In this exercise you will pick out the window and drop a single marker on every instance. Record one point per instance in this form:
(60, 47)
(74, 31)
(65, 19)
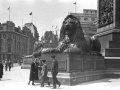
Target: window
(85, 19)
(93, 19)
(9, 47)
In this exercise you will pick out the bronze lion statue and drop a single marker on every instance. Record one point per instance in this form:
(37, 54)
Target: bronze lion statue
(72, 40)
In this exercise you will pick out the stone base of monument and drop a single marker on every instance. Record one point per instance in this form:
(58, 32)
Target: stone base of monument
(77, 77)
(74, 68)
(74, 78)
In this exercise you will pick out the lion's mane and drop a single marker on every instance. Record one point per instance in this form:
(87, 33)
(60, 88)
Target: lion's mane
(77, 36)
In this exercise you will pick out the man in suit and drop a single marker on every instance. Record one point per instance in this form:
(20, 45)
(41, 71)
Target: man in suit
(54, 71)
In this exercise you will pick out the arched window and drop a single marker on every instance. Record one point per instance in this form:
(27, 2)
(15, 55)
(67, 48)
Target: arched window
(9, 47)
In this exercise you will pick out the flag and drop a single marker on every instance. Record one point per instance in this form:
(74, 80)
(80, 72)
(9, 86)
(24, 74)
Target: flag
(31, 13)
(74, 3)
(8, 8)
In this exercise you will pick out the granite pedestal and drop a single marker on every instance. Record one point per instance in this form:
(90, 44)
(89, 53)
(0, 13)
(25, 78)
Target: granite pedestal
(75, 68)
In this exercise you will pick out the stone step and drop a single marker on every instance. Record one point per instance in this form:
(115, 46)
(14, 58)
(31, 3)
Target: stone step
(112, 62)
(112, 52)
(114, 44)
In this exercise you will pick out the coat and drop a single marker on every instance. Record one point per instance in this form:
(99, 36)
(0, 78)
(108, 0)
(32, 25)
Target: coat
(44, 77)
(44, 70)
(1, 70)
(32, 72)
(54, 69)
(36, 70)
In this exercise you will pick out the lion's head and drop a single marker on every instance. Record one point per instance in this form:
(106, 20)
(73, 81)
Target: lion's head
(71, 26)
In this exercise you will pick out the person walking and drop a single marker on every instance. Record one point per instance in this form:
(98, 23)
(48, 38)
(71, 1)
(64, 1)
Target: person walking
(32, 73)
(9, 65)
(54, 72)
(44, 74)
(6, 65)
(1, 70)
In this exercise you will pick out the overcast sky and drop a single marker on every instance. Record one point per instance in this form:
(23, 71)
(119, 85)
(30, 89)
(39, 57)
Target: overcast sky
(46, 13)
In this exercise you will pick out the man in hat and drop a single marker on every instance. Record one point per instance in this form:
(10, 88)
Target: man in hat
(1, 69)
(54, 71)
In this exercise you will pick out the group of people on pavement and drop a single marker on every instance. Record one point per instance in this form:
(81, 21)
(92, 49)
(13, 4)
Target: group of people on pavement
(42, 68)
(8, 64)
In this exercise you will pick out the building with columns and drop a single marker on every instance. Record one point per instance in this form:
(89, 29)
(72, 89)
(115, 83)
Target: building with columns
(88, 20)
(14, 42)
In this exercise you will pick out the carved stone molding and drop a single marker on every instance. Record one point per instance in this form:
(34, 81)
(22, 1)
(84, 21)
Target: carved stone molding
(105, 13)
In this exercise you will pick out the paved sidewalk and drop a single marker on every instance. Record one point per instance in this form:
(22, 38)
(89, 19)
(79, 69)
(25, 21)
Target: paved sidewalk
(17, 79)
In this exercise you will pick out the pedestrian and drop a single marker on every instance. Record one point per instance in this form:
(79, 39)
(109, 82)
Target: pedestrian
(6, 65)
(44, 72)
(36, 69)
(54, 72)
(9, 65)
(32, 73)
(1, 70)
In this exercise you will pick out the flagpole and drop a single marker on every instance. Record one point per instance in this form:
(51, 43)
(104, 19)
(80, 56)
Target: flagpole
(9, 14)
(22, 23)
(75, 7)
(32, 17)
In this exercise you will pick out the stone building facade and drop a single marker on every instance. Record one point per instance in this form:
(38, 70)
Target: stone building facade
(50, 39)
(14, 42)
(88, 20)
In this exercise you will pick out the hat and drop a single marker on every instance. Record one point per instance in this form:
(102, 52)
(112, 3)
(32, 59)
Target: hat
(53, 56)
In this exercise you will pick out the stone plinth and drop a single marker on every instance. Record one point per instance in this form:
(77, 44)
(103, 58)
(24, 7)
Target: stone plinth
(75, 68)
(70, 62)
